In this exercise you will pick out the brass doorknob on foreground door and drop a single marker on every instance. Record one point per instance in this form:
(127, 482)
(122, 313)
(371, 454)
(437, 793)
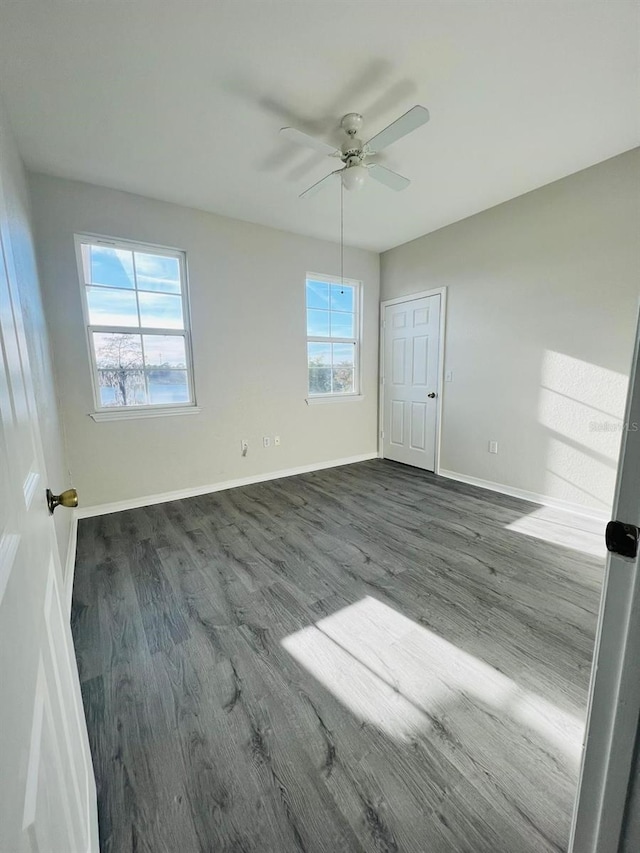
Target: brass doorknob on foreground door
(68, 498)
(431, 395)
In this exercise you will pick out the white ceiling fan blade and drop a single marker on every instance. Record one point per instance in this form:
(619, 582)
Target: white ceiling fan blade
(323, 182)
(301, 138)
(388, 178)
(411, 120)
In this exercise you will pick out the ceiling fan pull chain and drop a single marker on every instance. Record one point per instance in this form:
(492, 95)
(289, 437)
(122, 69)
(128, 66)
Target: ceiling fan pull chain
(341, 239)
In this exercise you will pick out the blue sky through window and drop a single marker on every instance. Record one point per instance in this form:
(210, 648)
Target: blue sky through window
(109, 307)
(330, 310)
(113, 267)
(342, 297)
(157, 272)
(317, 294)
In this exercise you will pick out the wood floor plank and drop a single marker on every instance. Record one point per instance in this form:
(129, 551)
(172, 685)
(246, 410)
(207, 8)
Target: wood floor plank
(367, 658)
(162, 618)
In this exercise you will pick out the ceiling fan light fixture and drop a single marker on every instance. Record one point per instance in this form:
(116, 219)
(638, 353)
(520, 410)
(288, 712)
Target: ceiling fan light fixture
(354, 177)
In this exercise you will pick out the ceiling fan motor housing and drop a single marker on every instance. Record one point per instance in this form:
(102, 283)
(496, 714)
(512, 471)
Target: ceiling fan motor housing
(351, 123)
(352, 148)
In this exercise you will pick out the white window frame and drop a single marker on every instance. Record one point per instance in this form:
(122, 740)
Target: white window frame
(107, 413)
(356, 394)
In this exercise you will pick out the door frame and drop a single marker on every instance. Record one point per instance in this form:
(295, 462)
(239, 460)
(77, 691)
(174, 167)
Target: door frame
(436, 291)
(602, 810)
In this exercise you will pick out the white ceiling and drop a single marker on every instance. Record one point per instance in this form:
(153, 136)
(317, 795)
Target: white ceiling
(183, 100)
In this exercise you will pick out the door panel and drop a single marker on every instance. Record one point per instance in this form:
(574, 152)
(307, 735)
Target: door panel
(399, 319)
(410, 373)
(420, 317)
(47, 788)
(420, 360)
(398, 361)
(418, 436)
(397, 422)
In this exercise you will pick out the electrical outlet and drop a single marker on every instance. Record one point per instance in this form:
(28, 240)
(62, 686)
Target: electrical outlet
(448, 377)
(244, 446)
(266, 441)
(493, 447)
(276, 440)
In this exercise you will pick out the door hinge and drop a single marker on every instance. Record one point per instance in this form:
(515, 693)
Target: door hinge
(382, 434)
(622, 539)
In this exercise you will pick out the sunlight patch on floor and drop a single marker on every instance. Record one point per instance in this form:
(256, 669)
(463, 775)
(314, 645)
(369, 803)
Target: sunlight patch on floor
(399, 676)
(563, 528)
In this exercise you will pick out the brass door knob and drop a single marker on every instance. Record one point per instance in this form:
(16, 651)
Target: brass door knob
(431, 395)
(68, 498)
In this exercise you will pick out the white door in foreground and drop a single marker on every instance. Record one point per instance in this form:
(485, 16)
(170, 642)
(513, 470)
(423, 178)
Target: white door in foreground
(47, 788)
(600, 823)
(410, 381)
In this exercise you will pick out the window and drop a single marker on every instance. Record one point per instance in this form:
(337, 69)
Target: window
(333, 336)
(136, 310)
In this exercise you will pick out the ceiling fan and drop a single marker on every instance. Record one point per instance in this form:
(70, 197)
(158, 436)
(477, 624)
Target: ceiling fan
(354, 152)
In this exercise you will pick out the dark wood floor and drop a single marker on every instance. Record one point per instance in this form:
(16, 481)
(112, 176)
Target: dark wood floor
(368, 658)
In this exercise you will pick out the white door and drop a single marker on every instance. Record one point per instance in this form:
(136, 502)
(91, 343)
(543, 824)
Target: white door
(614, 702)
(410, 381)
(47, 788)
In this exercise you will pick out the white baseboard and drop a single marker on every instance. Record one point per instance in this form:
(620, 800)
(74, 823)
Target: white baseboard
(149, 500)
(512, 491)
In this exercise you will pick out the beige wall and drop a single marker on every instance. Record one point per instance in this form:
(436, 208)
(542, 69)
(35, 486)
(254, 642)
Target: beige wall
(247, 304)
(14, 188)
(542, 299)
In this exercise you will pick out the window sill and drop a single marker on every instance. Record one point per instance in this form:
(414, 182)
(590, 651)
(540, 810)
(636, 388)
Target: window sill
(335, 398)
(144, 413)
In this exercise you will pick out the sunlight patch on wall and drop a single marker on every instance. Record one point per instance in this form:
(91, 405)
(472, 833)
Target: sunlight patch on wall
(402, 678)
(582, 406)
(582, 476)
(595, 387)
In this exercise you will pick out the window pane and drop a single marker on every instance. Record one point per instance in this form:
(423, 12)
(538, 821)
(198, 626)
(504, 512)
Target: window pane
(156, 272)
(317, 294)
(164, 351)
(120, 374)
(342, 298)
(160, 310)
(114, 350)
(168, 386)
(342, 325)
(319, 354)
(122, 387)
(112, 307)
(113, 267)
(317, 323)
(343, 380)
(319, 380)
(343, 355)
